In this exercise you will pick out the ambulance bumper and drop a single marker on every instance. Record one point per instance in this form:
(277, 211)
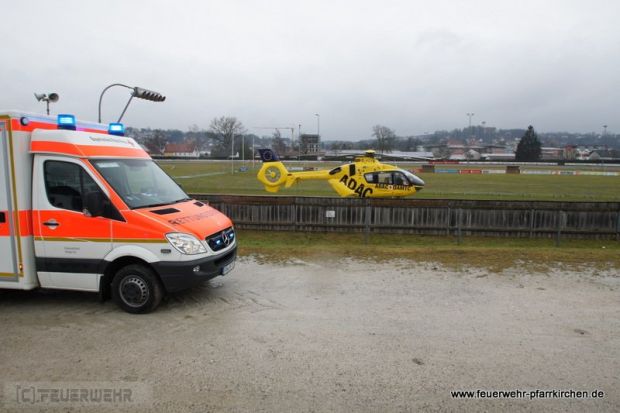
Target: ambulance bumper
(177, 276)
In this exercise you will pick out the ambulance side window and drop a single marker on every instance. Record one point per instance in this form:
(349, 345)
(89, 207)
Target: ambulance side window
(67, 184)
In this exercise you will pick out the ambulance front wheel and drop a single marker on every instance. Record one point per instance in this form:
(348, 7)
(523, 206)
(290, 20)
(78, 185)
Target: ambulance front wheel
(136, 289)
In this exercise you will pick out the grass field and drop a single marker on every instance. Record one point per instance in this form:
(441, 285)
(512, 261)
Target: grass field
(215, 177)
(494, 254)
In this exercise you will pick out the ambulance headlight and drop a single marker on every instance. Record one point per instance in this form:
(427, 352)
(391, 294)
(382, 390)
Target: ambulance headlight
(186, 243)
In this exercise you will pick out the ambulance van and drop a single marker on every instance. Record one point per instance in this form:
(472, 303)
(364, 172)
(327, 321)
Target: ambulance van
(82, 207)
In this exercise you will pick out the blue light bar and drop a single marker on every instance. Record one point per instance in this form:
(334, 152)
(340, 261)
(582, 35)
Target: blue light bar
(117, 129)
(66, 122)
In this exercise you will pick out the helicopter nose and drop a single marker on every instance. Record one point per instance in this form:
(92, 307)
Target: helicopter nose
(418, 183)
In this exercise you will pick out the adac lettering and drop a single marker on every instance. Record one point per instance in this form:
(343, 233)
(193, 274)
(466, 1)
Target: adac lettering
(360, 189)
(394, 187)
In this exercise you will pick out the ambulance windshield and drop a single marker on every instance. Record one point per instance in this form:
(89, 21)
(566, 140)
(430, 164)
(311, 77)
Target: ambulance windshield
(140, 182)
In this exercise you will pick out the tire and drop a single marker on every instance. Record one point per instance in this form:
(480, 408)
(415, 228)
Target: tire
(136, 289)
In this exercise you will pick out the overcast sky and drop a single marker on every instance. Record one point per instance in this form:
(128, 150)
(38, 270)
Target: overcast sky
(415, 66)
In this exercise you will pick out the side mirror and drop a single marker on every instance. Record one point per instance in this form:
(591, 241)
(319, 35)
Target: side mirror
(94, 205)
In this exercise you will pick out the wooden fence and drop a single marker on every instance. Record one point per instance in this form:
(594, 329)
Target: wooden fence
(422, 216)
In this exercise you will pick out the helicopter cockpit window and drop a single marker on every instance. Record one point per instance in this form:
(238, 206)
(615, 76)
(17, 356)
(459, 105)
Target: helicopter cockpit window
(400, 179)
(384, 178)
(414, 180)
(388, 178)
(371, 178)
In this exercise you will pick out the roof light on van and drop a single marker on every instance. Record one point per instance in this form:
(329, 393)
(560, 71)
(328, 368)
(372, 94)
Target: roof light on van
(117, 129)
(66, 122)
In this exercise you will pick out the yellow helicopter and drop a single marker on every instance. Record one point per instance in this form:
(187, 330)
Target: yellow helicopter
(365, 177)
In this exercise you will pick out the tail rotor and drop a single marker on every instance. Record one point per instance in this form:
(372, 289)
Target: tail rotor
(273, 173)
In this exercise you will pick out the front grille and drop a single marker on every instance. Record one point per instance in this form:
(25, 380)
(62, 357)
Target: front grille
(226, 259)
(222, 239)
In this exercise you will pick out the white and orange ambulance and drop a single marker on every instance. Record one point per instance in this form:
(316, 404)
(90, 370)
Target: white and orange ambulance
(84, 208)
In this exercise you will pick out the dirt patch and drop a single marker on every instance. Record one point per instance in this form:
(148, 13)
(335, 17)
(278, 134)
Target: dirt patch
(332, 334)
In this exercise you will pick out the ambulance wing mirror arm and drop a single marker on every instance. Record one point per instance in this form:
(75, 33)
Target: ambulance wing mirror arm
(94, 204)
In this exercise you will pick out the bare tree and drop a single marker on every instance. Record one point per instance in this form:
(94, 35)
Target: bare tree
(385, 138)
(198, 136)
(442, 152)
(277, 143)
(156, 142)
(223, 128)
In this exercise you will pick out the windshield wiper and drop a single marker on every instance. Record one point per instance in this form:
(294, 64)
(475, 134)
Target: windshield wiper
(181, 200)
(162, 203)
(152, 205)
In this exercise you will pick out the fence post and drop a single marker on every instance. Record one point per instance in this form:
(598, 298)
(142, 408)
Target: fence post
(618, 226)
(296, 216)
(561, 218)
(448, 224)
(532, 212)
(459, 232)
(367, 212)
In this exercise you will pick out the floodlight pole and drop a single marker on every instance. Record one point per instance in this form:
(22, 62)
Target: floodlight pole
(232, 153)
(125, 109)
(104, 90)
(136, 92)
(299, 143)
(253, 153)
(318, 124)
(469, 115)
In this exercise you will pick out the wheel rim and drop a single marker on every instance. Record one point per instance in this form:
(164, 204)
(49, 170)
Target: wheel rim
(134, 291)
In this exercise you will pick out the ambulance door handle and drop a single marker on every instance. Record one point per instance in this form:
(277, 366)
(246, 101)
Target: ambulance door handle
(52, 223)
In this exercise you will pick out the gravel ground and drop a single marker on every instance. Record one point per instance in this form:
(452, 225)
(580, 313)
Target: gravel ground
(326, 335)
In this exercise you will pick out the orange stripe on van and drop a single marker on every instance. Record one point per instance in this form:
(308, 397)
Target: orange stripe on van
(4, 226)
(87, 151)
(25, 223)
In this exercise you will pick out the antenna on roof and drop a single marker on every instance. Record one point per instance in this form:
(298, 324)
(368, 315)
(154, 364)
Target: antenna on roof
(52, 97)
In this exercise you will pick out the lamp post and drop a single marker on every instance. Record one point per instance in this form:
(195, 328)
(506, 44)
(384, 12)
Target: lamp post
(232, 153)
(137, 92)
(469, 115)
(318, 129)
(299, 146)
(318, 124)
